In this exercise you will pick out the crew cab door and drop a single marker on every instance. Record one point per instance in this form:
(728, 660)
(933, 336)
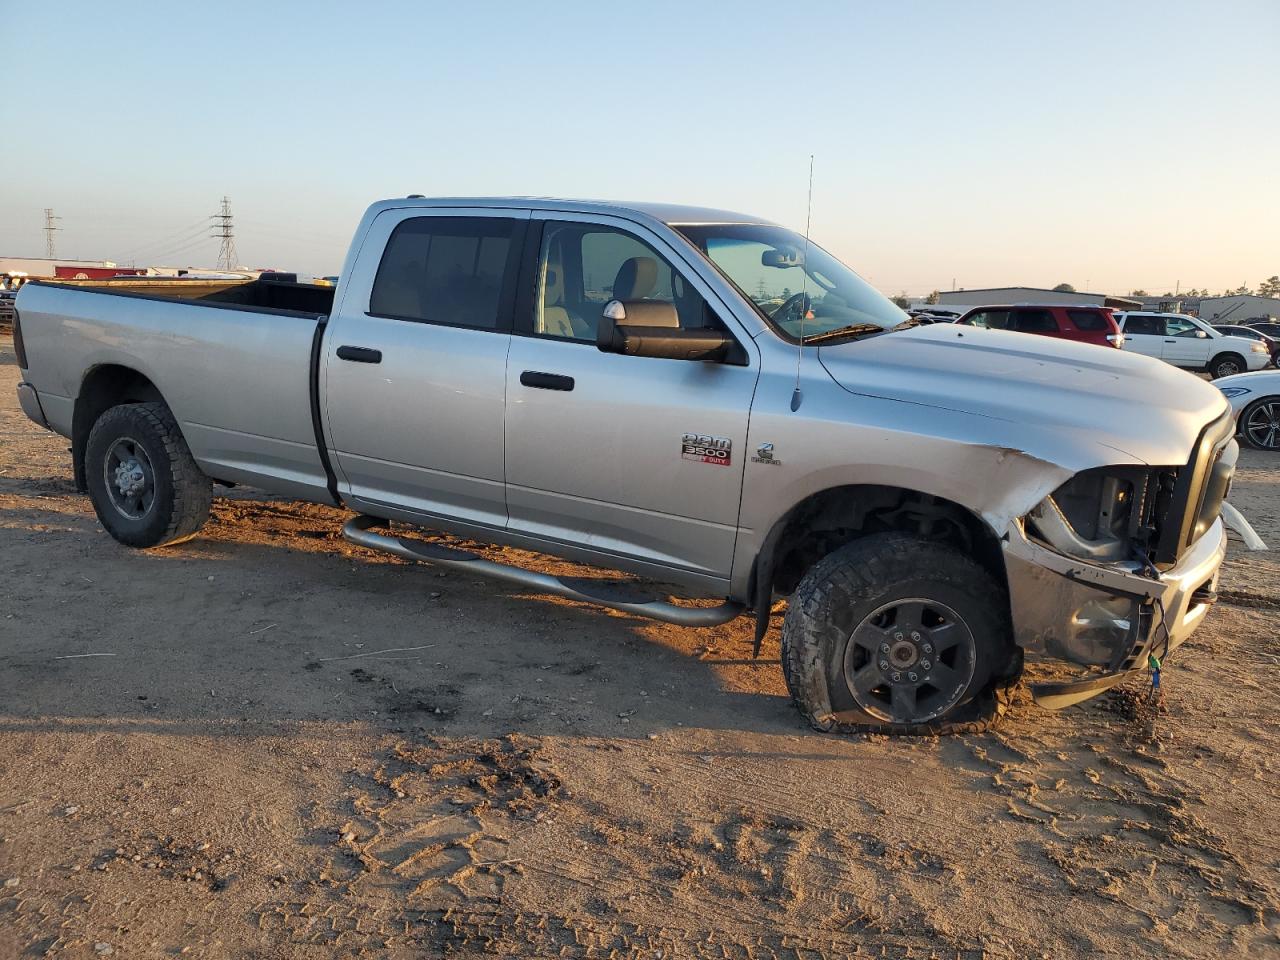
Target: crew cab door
(414, 363)
(1144, 334)
(602, 449)
(1185, 344)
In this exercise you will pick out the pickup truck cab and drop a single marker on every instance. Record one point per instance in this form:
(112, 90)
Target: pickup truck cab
(700, 397)
(1190, 343)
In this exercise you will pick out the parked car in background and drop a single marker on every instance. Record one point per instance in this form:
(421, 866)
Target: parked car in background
(1251, 333)
(1268, 325)
(1190, 343)
(936, 314)
(1093, 325)
(1255, 401)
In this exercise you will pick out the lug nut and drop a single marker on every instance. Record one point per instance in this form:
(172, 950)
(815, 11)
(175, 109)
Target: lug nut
(884, 648)
(896, 676)
(912, 677)
(884, 664)
(898, 635)
(925, 664)
(927, 648)
(915, 635)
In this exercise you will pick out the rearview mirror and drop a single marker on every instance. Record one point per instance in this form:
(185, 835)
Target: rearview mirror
(782, 258)
(648, 328)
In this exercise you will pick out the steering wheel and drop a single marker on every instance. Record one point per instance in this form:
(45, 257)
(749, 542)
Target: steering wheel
(798, 303)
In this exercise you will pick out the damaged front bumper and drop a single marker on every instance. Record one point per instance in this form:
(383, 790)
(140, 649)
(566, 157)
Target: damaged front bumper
(1105, 617)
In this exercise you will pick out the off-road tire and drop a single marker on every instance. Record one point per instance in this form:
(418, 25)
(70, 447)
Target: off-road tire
(182, 493)
(1215, 365)
(849, 584)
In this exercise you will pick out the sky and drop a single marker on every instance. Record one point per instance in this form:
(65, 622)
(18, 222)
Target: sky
(1110, 145)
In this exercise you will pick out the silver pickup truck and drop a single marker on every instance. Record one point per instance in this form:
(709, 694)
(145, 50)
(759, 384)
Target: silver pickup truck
(699, 397)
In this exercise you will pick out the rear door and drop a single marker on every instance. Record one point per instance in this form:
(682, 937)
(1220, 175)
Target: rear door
(415, 367)
(1034, 320)
(1185, 344)
(632, 457)
(1144, 334)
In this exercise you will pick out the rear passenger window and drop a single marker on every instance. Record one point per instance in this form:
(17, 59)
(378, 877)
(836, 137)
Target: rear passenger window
(1151, 326)
(1087, 319)
(446, 270)
(1033, 321)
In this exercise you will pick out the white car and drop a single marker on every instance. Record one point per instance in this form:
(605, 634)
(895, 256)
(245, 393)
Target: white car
(1190, 343)
(1255, 400)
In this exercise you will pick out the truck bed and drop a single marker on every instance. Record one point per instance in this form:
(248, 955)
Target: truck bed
(237, 368)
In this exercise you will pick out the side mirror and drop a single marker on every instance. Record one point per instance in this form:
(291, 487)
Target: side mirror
(647, 328)
(1201, 335)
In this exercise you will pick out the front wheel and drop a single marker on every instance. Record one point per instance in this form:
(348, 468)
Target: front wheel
(1260, 424)
(1226, 364)
(900, 635)
(145, 486)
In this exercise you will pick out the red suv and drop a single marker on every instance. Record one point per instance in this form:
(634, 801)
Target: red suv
(1085, 324)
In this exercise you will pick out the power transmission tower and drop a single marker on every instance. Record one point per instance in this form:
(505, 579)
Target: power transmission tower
(49, 231)
(222, 230)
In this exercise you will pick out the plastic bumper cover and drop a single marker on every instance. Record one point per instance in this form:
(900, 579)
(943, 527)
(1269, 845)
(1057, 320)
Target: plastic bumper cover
(29, 400)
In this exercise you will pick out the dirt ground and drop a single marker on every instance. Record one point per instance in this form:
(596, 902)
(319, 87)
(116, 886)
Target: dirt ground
(267, 743)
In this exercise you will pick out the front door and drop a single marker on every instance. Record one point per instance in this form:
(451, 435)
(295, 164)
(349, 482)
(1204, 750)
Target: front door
(1185, 344)
(415, 371)
(629, 457)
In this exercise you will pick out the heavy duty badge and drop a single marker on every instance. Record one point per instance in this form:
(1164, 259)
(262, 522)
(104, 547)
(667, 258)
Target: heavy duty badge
(697, 446)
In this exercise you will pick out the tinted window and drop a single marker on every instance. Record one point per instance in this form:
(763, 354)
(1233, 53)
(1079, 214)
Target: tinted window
(990, 319)
(1033, 321)
(447, 270)
(1180, 327)
(584, 266)
(1087, 319)
(1152, 326)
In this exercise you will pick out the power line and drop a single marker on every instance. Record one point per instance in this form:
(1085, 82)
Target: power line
(222, 230)
(49, 231)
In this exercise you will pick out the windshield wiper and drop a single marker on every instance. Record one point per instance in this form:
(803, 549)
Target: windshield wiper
(852, 330)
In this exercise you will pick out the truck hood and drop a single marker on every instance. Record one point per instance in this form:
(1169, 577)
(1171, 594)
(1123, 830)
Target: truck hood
(1143, 407)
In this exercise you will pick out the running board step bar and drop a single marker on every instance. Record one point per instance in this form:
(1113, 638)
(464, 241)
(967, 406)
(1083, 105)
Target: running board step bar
(616, 595)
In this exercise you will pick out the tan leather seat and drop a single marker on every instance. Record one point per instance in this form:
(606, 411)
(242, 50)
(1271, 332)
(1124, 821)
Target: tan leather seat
(636, 279)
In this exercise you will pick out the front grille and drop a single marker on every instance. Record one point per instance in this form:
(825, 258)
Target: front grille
(1198, 491)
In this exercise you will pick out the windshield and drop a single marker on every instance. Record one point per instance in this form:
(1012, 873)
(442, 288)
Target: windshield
(792, 290)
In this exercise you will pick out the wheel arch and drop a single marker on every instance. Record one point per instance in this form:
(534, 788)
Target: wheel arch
(103, 387)
(830, 518)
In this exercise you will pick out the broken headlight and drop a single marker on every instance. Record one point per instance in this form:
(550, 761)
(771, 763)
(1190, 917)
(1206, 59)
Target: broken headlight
(1101, 515)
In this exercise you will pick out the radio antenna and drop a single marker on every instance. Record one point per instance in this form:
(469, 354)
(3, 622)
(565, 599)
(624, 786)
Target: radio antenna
(796, 395)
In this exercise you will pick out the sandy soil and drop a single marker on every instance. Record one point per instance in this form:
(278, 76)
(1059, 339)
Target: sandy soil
(266, 743)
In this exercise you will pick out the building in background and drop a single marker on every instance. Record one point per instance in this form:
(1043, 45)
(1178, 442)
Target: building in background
(1237, 309)
(36, 268)
(992, 296)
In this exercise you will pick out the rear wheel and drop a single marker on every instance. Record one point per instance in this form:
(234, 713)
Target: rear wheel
(145, 486)
(899, 635)
(1227, 364)
(1260, 424)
